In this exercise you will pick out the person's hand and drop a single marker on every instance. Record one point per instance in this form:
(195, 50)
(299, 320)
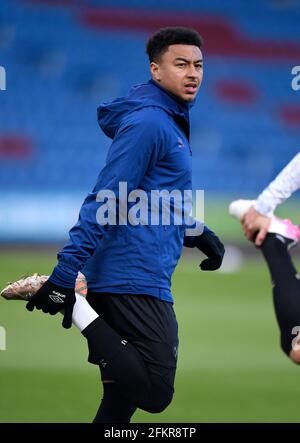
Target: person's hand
(210, 245)
(254, 222)
(52, 299)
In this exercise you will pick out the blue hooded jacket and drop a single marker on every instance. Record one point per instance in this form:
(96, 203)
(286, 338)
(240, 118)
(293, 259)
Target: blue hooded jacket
(150, 151)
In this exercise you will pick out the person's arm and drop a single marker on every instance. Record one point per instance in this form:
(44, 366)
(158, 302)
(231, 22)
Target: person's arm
(136, 147)
(257, 218)
(284, 185)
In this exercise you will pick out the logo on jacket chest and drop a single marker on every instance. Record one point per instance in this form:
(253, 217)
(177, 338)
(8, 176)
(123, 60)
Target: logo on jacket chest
(181, 144)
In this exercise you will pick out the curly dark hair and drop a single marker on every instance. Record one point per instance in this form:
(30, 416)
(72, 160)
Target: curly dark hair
(159, 42)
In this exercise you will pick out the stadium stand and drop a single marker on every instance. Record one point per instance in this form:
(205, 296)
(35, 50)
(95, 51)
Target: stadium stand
(64, 57)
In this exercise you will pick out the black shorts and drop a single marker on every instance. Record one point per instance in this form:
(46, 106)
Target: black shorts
(146, 322)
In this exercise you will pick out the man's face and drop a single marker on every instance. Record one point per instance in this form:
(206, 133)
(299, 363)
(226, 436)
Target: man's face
(179, 70)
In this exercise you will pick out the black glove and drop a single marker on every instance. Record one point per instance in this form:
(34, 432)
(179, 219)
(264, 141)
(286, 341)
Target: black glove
(52, 299)
(210, 245)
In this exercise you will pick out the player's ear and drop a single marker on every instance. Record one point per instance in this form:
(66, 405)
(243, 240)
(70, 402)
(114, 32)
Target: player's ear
(155, 71)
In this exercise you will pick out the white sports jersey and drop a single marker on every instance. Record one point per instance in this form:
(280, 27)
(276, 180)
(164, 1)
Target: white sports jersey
(286, 182)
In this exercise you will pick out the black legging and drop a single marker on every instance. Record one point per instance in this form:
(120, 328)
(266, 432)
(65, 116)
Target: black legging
(135, 344)
(286, 287)
(114, 406)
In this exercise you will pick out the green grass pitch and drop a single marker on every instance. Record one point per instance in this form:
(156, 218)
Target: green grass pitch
(231, 368)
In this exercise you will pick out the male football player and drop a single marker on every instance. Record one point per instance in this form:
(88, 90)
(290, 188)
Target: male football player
(130, 324)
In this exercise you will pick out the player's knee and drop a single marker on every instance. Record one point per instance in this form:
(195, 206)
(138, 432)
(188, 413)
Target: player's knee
(160, 394)
(157, 396)
(158, 401)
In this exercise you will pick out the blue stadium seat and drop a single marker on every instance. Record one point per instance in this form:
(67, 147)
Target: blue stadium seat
(60, 70)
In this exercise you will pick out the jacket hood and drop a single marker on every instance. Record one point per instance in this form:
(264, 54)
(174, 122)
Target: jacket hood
(111, 114)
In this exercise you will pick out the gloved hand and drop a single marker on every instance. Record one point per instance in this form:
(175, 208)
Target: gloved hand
(210, 245)
(52, 299)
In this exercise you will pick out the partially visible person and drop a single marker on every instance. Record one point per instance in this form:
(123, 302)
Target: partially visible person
(275, 237)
